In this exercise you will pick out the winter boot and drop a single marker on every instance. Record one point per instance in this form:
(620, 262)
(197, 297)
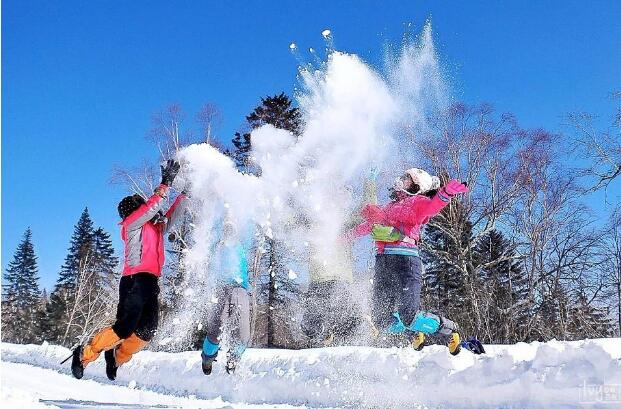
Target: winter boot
(77, 368)
(110, 364)
(454, 343)
(418, 341)
(473, 345)
(208, 363)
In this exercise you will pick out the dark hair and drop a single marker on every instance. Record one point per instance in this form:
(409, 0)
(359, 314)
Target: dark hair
(129, 205)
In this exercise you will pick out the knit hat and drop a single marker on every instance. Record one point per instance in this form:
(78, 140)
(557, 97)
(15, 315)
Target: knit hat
(130, 204)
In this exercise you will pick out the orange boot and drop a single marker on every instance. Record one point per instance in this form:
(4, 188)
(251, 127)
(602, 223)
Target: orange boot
(104, 340)
(128, 347)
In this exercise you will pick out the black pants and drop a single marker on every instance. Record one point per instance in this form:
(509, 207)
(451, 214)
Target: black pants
(138, 309)
(396, 288)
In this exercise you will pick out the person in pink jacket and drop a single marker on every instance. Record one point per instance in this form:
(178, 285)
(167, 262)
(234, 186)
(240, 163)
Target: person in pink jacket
(396, 228)
(142, 229)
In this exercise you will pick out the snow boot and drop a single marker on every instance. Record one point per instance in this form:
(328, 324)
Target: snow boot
(418, 341)
(77, 369)
(454, 344)
(110, 364)
(473, 345)
(208, 363)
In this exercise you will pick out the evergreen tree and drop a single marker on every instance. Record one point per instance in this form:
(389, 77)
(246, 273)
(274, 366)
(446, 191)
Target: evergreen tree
(444, 252)
(505, 285)
(62, 298)
(588, 321)
(80, 252)
(277, 111)
(276, 291)
(20, 297)
(86, 287)
(104, 259)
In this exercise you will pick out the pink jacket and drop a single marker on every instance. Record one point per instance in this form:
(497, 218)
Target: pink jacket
(144, 241)
(408, 215)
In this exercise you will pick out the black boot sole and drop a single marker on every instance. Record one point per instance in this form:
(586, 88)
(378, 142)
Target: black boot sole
(110, 364)
(77, 369)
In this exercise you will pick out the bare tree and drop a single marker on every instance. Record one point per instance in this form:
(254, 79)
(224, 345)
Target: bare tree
(601, 147)
(94, 298)
(611, 266)
(210, 119)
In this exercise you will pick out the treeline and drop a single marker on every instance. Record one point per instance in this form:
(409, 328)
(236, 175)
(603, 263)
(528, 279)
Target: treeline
(521, 258)
(82, 301)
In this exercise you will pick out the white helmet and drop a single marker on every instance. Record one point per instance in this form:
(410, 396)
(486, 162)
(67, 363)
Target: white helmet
(422, 179)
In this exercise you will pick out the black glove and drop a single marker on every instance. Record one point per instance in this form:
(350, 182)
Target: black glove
(169, 172)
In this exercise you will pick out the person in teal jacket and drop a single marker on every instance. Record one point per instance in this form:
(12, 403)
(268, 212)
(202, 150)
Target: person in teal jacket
(232, 308)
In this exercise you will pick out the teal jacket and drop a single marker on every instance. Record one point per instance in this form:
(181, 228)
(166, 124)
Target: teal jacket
(233, 266)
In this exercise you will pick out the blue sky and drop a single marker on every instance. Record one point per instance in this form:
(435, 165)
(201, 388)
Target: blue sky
(81, 80)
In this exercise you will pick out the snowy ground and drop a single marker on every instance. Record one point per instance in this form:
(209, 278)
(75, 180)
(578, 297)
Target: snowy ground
(553, 375)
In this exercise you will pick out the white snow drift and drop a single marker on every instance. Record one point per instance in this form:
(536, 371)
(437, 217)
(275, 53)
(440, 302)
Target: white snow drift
(552, 374)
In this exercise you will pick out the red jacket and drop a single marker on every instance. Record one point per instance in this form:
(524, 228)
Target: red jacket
(144, 241)
(408, 215)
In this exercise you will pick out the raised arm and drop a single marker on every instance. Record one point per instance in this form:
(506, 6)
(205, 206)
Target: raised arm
(146, 212)
(423, 208)
(175, 212)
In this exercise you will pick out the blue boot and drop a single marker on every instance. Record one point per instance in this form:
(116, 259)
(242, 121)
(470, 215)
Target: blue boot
(208, 355)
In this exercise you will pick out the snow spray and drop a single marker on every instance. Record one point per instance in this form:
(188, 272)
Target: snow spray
(358, 121)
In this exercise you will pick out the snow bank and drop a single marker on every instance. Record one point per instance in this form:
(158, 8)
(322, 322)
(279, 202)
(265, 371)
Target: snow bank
(552, 374)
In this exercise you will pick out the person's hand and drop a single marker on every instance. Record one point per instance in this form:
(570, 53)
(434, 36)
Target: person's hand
(455, 187)
(169, 172)
(373, 172)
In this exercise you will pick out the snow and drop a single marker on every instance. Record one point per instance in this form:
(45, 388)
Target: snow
(538, 375)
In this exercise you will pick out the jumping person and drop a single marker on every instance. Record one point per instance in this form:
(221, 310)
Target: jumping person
(416, 198)
(142, 228)
(232, 308)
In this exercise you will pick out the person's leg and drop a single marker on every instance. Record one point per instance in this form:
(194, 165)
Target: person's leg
(383, 295)
(147, 323)
(239, 316)
(127, 316)
(411, 280)
(213, 327)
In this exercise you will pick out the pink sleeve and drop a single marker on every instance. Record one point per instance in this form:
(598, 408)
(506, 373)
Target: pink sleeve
(423, 208)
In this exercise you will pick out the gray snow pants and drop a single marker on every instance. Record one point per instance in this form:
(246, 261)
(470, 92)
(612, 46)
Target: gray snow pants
(396, 288)
(233, 313)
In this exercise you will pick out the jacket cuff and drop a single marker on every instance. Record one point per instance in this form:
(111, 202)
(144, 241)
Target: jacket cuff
(445, 197)
(162, 191)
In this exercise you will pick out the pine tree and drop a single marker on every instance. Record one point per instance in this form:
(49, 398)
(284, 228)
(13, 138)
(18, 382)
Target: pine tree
(277, 111)
(588, 321)
(63, 296)
(80, 251)
(445, 282)
(278, 294)
(505, 285)
(275, 289)
(104, 259)
(20, 298)
(85, 291)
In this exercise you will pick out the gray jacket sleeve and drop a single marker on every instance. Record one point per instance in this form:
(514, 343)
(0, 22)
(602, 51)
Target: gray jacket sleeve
(145, 213)
(176, 211)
